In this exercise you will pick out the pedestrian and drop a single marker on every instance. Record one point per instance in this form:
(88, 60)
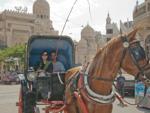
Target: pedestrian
(120, 84)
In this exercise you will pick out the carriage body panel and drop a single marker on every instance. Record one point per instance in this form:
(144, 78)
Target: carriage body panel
(49, 89)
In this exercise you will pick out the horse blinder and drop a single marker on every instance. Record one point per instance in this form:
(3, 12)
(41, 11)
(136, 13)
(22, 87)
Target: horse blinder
(137, 51)
(139, 54)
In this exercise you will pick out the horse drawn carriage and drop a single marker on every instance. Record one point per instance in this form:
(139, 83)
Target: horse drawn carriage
(86, 90)
(49, 89)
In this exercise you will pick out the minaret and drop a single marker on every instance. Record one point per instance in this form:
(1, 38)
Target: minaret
(43, 24)
(41, 9)
(108, 19)
(137, 3)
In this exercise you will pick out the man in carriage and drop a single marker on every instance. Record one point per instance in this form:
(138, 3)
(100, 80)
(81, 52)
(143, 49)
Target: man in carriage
(57, 65)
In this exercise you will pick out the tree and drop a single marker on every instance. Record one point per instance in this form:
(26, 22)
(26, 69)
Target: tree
(12, 52)
(15, 51)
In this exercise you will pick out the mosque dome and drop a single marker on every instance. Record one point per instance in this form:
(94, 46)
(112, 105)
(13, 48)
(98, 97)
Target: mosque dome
(41, 9)
(87, 31)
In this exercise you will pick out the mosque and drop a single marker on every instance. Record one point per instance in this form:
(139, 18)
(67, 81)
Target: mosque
(16, 26)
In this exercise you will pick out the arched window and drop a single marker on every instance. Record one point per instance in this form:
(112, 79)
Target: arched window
(147, 46)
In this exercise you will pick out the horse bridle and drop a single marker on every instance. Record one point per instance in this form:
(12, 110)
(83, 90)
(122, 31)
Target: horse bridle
(137, 53)
(127, 47)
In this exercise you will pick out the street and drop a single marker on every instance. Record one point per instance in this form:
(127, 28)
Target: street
(9, 97)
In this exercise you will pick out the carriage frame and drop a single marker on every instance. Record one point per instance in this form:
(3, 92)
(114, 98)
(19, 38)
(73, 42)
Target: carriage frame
(27, 103)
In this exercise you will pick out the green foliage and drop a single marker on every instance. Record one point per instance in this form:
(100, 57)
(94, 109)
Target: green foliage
(16, 51)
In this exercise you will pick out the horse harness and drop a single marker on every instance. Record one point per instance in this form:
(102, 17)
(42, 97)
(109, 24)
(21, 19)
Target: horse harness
(137, 53)
(79, 83)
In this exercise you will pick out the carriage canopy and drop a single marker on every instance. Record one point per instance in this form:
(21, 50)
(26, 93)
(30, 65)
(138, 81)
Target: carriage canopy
(63, 44)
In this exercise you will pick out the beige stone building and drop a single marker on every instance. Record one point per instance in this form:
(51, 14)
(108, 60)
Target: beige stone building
(91, 41)
(17, 26)
(111, 28)
(89, 44)
(141, 17)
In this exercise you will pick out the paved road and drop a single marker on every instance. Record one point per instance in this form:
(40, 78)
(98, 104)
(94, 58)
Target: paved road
(129, 108)
(9, 96)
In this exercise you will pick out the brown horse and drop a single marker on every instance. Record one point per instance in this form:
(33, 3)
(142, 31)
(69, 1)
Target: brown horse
(101, 73)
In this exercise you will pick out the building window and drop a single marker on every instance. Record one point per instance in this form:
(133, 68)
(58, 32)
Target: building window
(41, 16)
(109, 31)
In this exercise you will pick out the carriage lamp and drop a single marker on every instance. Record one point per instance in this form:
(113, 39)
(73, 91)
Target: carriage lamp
(126, 44)
(31, 76)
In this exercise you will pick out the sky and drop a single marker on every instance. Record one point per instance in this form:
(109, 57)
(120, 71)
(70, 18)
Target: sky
(80, 16)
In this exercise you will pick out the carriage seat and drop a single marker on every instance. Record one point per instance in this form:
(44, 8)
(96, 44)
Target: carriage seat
(51, 87)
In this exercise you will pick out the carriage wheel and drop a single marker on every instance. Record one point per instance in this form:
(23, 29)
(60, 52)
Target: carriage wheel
(27, 101)
(20, 103)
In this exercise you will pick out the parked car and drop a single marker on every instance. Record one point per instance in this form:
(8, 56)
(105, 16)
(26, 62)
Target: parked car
(10, 78)
(129, 88)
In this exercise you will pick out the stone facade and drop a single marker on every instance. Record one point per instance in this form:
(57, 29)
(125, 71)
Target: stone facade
(89, 44)
(111, 28)
(141, 17)
(16, 27)
(91, 40)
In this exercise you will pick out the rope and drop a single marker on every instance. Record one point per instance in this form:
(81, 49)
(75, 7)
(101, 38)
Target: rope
(68, 17)
(66, 23)
(89, 9)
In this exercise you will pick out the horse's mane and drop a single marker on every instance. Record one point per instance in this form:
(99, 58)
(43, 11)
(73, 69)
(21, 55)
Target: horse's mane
(108, 52)
(100, 56)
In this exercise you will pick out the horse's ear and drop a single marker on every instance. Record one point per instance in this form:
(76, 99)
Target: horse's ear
(132, 35)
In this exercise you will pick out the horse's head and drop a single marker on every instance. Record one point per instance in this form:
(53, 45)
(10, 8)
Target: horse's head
(134, 60)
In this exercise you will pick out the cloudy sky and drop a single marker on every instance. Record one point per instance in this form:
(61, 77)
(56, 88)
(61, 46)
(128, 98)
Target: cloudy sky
(59, 9)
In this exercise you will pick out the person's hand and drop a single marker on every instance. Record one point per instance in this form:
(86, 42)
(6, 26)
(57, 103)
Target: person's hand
(40, 70)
